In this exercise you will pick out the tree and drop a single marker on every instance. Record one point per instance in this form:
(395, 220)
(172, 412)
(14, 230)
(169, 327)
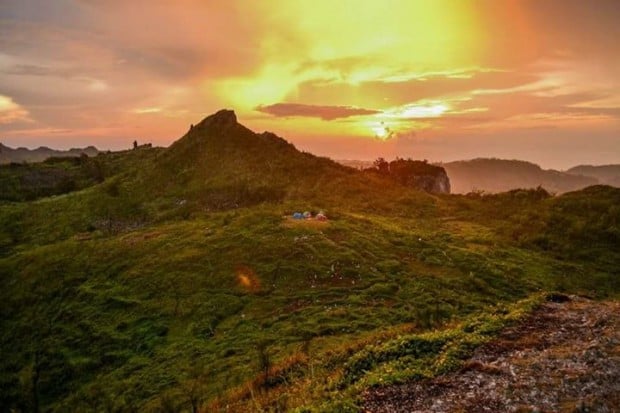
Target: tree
(382, 166)
(135, 144)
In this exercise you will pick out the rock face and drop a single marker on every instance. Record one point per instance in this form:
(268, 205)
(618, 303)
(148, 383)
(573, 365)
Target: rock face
(416, 174)
(221, 119)
(437, 183)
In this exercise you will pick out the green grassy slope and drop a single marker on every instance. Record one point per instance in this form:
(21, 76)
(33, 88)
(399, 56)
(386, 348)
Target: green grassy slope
(57, 176)
(178, 281)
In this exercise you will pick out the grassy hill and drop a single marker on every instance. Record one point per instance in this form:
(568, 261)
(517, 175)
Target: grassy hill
(178, 283)
(61, 175)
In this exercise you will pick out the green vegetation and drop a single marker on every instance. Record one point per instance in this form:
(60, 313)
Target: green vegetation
(177, 283)
(61, 175)
(400, 356)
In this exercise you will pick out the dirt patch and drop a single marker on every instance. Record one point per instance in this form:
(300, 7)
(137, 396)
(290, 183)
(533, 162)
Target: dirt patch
(304, 223)
(565, 357)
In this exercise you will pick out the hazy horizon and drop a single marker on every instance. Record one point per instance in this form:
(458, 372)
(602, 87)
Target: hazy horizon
(127, 145)
(443, 81)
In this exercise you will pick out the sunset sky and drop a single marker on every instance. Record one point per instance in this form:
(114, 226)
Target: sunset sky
(537, 80)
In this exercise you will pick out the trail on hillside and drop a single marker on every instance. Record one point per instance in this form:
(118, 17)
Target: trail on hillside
(565, 357)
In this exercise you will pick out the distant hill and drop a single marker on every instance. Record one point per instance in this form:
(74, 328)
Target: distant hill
(19, 155)
(499, 175)
(606, 174)
(26, 181)
(353, 163)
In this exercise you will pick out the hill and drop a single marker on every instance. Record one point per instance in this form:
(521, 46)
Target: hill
(219, 163)
(19, 155)
(499, 175)
(61, 175)
(606, 174)
(177, 282)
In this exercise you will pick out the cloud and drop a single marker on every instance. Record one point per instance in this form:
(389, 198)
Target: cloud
(99, 69)
(28, 70)
(399, 89)
(314, 111)
(11, 112)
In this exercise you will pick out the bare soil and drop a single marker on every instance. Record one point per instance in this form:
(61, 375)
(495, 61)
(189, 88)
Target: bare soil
(565, 357)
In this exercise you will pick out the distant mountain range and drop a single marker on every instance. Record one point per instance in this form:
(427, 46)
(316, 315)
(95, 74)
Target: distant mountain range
(8, 154)
(499, 175)
(482, 174)
(606, 174)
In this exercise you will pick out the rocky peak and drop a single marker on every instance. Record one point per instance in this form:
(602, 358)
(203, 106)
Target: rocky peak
(219, 120)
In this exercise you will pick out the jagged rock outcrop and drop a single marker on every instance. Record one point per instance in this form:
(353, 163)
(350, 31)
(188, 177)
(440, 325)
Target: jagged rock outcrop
(416, 174)
(219, 120)
(437, 183)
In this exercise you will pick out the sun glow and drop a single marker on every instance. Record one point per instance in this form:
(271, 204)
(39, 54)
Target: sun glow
(382, 131)
(418, 111)
(11, 111)
(342, 54)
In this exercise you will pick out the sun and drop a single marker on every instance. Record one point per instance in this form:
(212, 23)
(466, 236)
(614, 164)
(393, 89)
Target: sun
(381, 131)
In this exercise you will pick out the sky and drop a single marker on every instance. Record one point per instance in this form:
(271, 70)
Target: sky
(441, 80)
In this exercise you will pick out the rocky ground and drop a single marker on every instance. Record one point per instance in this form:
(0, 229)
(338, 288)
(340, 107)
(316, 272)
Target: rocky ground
(565, 357)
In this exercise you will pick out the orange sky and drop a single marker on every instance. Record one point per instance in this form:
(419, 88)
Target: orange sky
(436, 79)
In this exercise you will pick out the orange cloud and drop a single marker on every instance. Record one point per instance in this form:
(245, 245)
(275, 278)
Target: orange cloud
(443, 71)
(11, 112)
(322, 112)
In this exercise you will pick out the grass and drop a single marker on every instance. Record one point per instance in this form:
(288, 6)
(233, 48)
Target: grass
(139, 309)
(119, 298)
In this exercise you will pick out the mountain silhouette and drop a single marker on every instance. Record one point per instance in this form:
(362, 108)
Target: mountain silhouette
(8, 154)
(500, 175)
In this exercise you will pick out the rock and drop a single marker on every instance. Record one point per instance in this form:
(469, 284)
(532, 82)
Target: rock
(549, 359)
(219, 120)
(417, 174)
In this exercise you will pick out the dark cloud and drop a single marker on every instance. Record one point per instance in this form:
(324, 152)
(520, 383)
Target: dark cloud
(29, 70)
(314, 111)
